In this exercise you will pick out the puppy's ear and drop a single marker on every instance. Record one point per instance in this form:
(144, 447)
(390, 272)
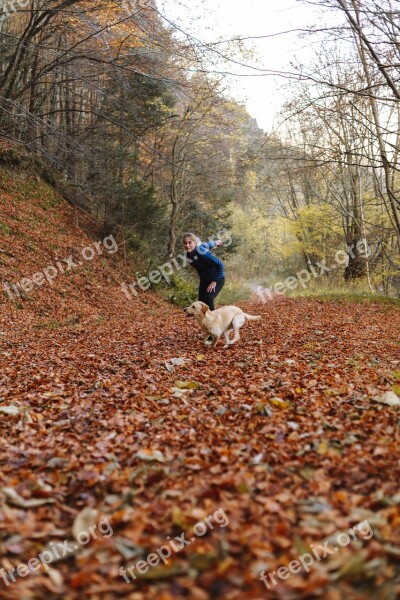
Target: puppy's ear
(204, 308)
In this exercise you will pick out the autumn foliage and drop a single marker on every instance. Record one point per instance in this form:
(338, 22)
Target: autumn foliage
(287, 431)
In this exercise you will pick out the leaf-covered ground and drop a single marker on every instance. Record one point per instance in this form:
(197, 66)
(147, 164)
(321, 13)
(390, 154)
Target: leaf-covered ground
(282, 432)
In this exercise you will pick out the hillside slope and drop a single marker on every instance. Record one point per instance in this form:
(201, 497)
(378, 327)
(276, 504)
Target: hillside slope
(77, 275)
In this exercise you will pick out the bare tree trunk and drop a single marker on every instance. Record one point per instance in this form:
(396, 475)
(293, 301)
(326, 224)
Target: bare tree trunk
(394, 202)
(173, 218)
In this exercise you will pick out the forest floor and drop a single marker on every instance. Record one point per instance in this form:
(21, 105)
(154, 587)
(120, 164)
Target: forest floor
(281, 450)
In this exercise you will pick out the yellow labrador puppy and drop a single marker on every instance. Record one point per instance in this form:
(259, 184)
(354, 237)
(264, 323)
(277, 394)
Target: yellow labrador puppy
(220, 321)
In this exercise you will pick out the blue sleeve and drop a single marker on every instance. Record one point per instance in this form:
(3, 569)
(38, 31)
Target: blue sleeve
(208, 245)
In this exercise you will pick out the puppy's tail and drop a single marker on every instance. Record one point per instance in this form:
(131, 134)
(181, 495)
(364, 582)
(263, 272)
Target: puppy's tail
(252, 317)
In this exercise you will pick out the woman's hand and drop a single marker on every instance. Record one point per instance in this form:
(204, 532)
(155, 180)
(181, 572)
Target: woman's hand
(219, 242)
(212, 286)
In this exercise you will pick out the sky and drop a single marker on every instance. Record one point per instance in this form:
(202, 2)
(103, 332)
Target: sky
(210, 20)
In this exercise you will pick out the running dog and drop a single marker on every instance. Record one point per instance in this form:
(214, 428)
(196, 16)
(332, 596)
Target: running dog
(220, 321)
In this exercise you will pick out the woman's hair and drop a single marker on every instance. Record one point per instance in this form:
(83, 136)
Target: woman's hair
(193, 237)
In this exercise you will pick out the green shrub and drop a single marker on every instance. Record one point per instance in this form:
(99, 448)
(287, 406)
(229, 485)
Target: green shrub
(181, 291)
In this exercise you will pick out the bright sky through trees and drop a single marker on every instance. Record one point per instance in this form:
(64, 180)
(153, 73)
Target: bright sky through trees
(209, 21)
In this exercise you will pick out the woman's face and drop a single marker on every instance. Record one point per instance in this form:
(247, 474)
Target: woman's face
(189, 244)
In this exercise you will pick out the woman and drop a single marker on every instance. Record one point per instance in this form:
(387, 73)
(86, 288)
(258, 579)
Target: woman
(208, 266)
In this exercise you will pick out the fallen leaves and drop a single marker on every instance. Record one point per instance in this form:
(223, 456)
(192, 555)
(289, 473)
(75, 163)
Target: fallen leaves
(278, 402)
(151, 455)
(129, 420)
(175, 362)
(11, 410)
(187, 385)
(84, 521)
(14, 498)
(388, 398)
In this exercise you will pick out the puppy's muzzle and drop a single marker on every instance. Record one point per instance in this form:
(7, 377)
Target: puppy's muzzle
(188, 314)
